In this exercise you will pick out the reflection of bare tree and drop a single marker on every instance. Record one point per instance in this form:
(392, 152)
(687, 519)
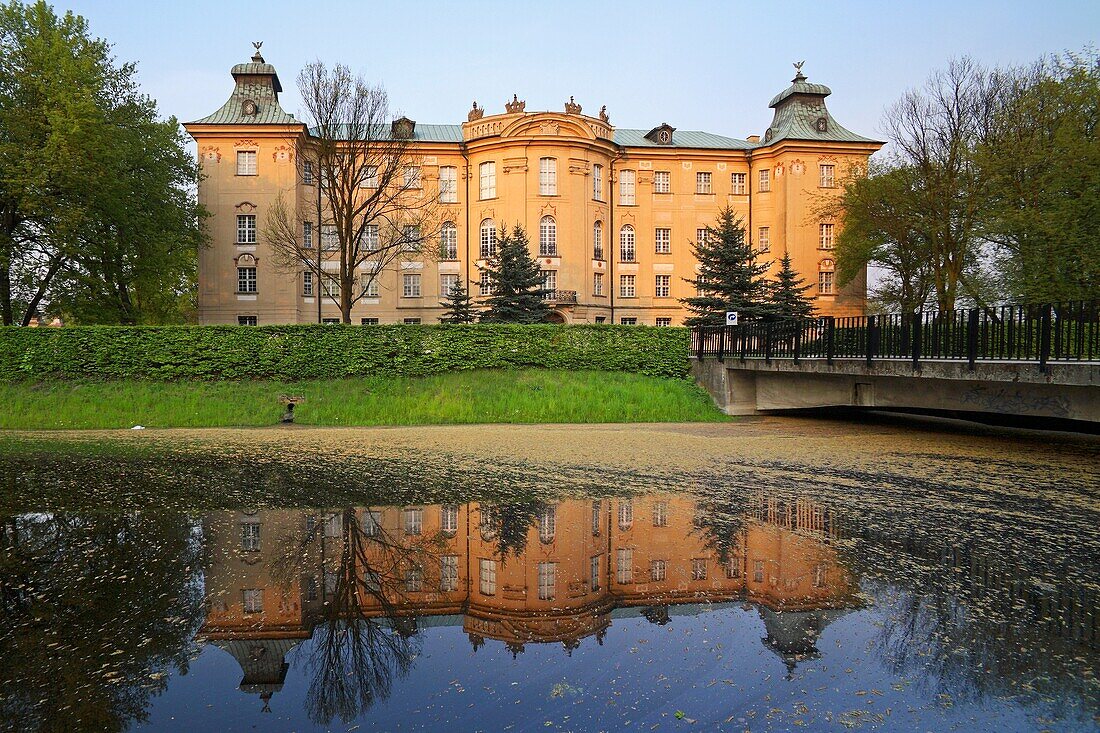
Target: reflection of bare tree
(509, 523)
(720, 522)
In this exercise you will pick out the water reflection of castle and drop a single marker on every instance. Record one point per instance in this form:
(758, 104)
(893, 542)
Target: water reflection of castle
(518, 574)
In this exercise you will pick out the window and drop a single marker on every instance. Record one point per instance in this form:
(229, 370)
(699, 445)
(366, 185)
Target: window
(662, 241)
(826, 175)
(311, 589)
(253, 600)
(550, 281)
(412, 519)
(246, 229)
(448, 573)
(372, 523)
(820, 576)
(597, 283)
(488, 576)
(448, 241)
(548, 580)
(548, 177)
(657, 570)
(448, 184)
(626, 188)
(597, 182)
(626, 286)
(448, 519)
(334, 525)
(410, 238)
(702, 236)
(246, 277)
(626, 244)
(597, 241)
(737, 184)
(488, 180)
(624, 565)
(330, 288)
(765, 180)
(250, 536)
(662, 182)
(368, 281)
(369, 240)
(660, 514)
(414, 579)
(246, 320)
(733, 568)
(370, 177)
(410, 285)
(332, 321)
(703, 183)
(826, 236)
(548, 525)
(447, 283)
(330, 579)
(307, 284)
(594, 573)
(663, 322)
(699, 568)
(307, 235)
(628, 321)
(307, 173)
(825, 279)
(330, 240)
(246, 162)
(411, 321)
(601, 319)
(597, 517)
(488, 239)
(626, 514)
(662, 286)
(758, 571)
(764, 239)
(548, 236)
(412, 176)
(368, 321)
(485, 284)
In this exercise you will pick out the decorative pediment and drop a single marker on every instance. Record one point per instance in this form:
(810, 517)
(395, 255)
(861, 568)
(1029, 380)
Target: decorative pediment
(245, 207)
(548, 209)
(514, 165)
(246, 144)
(548, 125)
(662, 134)
(578, 166)
(403, 128)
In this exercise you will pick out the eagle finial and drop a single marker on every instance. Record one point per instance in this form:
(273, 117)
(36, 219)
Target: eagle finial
(798, 75)
(257, 57)
(256, 45)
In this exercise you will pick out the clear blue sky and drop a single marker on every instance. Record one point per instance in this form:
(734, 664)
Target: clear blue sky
(697, 65)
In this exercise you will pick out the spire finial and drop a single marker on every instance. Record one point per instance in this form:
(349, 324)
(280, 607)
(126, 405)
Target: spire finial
(257, 57)
(798, 75)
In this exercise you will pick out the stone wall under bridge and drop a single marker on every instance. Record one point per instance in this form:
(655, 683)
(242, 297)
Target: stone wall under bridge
(1067, 391)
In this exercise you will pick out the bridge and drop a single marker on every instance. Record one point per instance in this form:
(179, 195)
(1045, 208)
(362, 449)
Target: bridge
(1038, 361)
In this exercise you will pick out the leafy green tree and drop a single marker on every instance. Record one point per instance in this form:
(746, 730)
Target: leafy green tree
(517, 283)
(729, 278)
(460, 306)
(98, 216)
(788, 293)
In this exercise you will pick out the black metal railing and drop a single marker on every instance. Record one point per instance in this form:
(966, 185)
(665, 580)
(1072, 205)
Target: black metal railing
(560, 296)
(1061, 332)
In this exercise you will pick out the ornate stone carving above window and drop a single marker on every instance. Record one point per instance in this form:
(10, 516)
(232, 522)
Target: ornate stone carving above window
(246, 144)
(245, 207)
(211, 154)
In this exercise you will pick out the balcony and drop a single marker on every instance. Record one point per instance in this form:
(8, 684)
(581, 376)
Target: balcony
(560, 296)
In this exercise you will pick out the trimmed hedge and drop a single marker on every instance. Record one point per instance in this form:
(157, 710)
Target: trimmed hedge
(332, 351)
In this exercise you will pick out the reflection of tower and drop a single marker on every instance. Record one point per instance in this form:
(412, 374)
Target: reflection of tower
(263, 662)
(793, 635)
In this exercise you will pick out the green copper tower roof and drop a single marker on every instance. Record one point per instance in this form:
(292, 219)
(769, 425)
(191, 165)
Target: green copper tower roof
(255, 98)
(801, 114)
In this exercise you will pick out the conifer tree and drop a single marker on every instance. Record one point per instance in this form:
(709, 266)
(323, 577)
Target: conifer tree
(788, 297)
(460, 306)
(517, 283)
(729, 278)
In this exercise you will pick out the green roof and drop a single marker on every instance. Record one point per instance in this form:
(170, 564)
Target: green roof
(801, 114)
(681, 139)
(258, 90)
(424, 133)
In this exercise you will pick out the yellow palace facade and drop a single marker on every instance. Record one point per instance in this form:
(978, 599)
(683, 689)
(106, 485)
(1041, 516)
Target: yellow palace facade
(611, 213)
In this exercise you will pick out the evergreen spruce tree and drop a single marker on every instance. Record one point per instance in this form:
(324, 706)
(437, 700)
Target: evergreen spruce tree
(788, 297)
(517, 283)
(460, 306)
(729, 278)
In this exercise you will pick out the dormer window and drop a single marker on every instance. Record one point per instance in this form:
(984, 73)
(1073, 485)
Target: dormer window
(403, 128)
(822, 124)
(661, 135)
(249, 108)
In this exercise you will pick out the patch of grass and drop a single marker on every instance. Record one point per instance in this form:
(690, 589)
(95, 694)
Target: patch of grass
(522, 396)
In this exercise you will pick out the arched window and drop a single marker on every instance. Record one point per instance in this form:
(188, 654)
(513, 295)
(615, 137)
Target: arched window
(548, 237)
(548, 525)
(246, 274)
(488, 239)
(626, 244)
(448, 241)
(826, 278)
(597, 241)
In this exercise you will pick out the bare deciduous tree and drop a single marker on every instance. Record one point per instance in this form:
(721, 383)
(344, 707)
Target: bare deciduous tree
(374, 210)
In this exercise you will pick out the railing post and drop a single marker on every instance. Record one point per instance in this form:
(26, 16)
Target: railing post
(698, 331)
(768, 342)
(872, 337)
(722, 344)
(830, 333)
(972, 338)
(797, 338)
(1044, 339)
(741, 336)
(917, 325)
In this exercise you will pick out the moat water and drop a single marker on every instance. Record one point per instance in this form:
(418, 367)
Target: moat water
(766, 575)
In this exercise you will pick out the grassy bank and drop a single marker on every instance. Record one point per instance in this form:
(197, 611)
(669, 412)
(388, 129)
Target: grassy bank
(522, 396)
